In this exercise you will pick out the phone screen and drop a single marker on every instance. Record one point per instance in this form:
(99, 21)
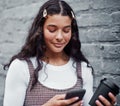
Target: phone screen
(77, 93)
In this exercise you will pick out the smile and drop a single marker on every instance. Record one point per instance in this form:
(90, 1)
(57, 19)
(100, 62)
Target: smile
(58, 45)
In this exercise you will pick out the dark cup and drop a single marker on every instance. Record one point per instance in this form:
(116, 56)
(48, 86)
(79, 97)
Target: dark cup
(105, 86)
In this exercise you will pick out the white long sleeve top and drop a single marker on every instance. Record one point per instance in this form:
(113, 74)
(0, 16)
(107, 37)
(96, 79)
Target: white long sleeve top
(18, 78)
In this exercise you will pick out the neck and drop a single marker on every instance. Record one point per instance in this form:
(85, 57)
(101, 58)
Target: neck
(56, 58)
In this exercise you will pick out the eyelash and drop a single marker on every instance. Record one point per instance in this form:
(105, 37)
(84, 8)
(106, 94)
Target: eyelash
(66, 31)
(52, 31)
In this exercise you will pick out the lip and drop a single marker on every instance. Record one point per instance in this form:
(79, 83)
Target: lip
(58, 45)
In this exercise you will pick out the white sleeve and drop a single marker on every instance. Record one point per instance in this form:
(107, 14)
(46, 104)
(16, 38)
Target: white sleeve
(16, 83)
(87, 83)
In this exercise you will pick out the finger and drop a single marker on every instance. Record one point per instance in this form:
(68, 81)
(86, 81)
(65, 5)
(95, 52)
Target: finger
(104, 101)
(79, 103)
(69, 101)
(113, 98)
(98, 103)
(60, 97)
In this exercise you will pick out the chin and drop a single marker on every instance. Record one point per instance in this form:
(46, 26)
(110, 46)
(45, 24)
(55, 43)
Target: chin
(58, 50)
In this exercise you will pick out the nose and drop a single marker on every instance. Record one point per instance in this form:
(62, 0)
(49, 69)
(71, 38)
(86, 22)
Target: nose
(59, 36)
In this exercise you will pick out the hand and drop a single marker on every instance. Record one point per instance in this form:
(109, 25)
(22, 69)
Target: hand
(59, 100)
(105, 101)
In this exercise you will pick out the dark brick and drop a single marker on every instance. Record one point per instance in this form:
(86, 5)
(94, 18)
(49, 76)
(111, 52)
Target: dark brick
(16, 3)
(118, 80)
(111, 66)
(13, 31)
(96, 64)
(116, 17)
(92, 50)
(101, 19)
(1, 7)
(7, 50)
(1, 101)
(21, 12)
(111, 51)
(2, 85)
(100, 34)
(100, 4)
(78, 5)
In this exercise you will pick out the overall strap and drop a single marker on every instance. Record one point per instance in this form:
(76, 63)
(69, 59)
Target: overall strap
(32, 73)
(79, 72)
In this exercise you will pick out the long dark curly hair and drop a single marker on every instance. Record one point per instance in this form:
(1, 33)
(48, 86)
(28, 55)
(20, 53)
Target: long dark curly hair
(34, 45)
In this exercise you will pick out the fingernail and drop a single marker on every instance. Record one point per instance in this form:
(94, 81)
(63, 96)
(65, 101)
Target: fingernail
(82, 101)
(96, 101)
(100, 96)
(81, 104)
(76, 98)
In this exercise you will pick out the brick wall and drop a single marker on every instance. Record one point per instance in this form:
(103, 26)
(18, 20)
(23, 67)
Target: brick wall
(99, 27)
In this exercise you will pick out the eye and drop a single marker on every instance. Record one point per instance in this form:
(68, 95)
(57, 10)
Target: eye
(52, 29)
(67, 30)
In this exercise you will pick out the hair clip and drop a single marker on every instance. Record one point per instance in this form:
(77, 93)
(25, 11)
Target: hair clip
(72, 14)
(44, 13)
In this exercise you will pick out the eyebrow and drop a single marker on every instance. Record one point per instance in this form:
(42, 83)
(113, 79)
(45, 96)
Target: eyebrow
(68, 26)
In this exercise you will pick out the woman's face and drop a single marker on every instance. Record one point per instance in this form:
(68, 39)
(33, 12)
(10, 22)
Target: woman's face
(57, 33)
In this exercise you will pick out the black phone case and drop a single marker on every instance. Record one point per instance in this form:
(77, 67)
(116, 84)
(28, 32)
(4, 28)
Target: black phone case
(77, 93)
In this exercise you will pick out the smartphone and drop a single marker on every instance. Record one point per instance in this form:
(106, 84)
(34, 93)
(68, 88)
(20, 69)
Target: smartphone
(76, 93)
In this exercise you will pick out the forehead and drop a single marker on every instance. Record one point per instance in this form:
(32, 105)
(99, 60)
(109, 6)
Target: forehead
(58, 20)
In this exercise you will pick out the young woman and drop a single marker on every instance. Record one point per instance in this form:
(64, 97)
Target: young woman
(50, 63)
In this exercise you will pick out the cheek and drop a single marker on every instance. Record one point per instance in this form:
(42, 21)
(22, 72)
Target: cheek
(68, 37)
(47, 35)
